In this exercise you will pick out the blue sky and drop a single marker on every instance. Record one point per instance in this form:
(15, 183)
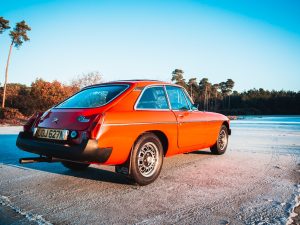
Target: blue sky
(256, 43)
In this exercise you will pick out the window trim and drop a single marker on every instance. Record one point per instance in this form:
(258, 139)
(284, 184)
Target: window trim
(96, 86)
(151, 86)
(189, 98)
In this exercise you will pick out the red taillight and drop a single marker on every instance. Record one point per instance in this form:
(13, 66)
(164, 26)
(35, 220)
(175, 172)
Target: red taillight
(29, 124)
(95, 127)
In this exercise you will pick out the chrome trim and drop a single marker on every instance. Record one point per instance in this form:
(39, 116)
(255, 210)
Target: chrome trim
(142, 123)
(198, 121)
(188, 97)
(113, 84)
(168, 99)
(153, 123)
(82, 119)
(55, 120)
(141, 94)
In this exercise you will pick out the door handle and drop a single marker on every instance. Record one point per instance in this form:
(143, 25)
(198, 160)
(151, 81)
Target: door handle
(180, 115)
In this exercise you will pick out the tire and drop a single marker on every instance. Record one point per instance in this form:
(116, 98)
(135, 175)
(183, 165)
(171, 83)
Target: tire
(75, 165)
(221, 144)
(146, 159)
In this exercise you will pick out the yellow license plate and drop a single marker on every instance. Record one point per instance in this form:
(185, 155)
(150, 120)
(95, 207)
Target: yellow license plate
(51, 133)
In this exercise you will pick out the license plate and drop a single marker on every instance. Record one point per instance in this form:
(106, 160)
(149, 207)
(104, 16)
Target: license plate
(51, 134)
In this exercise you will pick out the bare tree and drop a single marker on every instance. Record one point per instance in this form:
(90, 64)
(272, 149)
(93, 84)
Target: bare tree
(18, 36)
(87, 79)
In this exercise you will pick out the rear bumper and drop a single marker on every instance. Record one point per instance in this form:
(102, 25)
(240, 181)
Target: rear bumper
(87, 151)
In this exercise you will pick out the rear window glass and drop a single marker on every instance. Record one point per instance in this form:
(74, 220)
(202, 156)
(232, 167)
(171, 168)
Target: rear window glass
(93, 97)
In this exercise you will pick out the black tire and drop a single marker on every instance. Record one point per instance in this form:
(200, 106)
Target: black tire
(146, 159)
(221, 144)
(75, 165)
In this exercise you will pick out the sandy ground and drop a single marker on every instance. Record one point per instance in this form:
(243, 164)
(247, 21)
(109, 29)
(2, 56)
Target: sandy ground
(255, 182)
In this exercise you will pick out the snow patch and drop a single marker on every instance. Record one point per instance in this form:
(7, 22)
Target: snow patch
(30, 216)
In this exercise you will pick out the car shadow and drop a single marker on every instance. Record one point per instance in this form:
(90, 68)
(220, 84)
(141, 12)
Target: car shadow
(201, 152)
(10, 156)
(91, 173)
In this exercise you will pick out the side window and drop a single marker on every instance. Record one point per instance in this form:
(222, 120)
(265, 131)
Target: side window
(153, 98)
(177, 98)
(191, 105)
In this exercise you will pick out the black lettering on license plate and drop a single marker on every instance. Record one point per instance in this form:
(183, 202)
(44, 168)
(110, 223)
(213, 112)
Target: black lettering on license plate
(48, 133)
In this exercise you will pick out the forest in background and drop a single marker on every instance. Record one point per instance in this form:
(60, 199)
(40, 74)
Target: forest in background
(22, 101)
(220, 97)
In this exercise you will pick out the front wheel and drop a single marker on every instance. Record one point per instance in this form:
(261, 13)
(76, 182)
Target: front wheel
(147, 159)
(75, 165)
(220, 146)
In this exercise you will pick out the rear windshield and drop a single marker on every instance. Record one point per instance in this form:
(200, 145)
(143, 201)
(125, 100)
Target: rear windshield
(93, 97)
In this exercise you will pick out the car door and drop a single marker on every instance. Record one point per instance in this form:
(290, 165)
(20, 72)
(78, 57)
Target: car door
(191, 127)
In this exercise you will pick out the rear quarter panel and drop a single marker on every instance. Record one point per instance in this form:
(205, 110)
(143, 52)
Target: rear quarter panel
(122, 129)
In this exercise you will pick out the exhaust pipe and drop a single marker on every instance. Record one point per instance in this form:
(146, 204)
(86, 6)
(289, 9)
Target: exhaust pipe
(36, 159)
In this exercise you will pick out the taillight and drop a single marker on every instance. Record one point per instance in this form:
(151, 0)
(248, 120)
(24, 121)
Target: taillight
(31, 121)
(95, 127)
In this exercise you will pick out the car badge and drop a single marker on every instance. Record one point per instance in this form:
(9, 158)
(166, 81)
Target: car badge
(55, 120)
(82, 119)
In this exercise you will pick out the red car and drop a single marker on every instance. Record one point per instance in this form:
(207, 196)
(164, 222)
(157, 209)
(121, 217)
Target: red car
(131, 124)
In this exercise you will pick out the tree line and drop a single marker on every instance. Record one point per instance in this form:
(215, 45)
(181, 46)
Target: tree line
(42, 95)
(220, 97)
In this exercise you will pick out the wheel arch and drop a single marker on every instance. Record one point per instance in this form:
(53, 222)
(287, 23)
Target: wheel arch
(161, 136)
(226, 123)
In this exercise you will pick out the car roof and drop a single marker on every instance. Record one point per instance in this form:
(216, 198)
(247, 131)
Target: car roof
(138, 82)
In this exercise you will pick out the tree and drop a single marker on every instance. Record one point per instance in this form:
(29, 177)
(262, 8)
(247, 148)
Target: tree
(214, 91)
(177, 76)
(229, 86)
(4, 24)
(46, 94)
(193, 86)
(87, 79)
(205, 90)
(18, 36)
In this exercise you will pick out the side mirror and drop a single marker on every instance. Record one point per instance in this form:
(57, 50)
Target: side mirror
(195, 106)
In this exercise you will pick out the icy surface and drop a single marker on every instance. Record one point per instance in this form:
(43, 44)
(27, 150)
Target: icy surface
(255, 182)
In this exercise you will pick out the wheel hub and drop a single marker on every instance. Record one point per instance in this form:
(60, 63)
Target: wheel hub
(222, 140)
(147, 159)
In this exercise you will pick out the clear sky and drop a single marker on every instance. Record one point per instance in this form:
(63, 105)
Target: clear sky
(256, 43)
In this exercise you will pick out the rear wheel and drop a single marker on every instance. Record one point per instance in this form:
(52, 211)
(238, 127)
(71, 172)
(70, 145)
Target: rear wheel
(75, 165)
(147, 159)
(220, 146)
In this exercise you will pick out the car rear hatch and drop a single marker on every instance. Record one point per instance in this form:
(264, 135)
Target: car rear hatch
(70, 119)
